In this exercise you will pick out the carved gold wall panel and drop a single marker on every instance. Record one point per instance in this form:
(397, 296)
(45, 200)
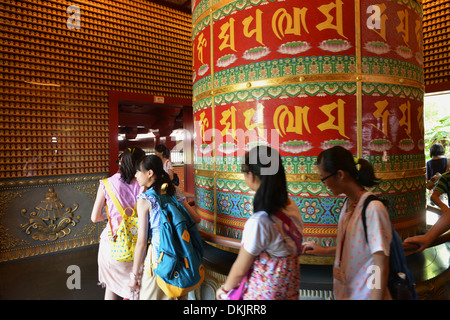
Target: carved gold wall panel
(44, 215)
(51, 219)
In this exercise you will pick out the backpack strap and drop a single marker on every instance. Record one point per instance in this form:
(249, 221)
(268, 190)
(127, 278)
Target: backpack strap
(116, 203)
(108, 189)
(165, 198)
(161, 199)
(113, 197)
(363, 212)
(157, 196)
(397, 260)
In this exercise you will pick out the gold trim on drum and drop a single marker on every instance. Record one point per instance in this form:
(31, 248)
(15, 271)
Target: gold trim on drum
(400, 174)
(383, 175)
(205, 173)
(220, 174)
(231, 222)
(204, 214)
(323, 231)
(316, 260)
(303, 177)
(313, 177)
(309, 78)
(211, 10)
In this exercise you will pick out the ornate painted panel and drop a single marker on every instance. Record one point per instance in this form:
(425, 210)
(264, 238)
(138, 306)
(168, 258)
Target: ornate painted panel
(303, 77)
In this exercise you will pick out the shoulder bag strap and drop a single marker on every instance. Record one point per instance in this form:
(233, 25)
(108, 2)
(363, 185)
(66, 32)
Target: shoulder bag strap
(114, 198)
(108, 189)
(290, 228)
(116, 204)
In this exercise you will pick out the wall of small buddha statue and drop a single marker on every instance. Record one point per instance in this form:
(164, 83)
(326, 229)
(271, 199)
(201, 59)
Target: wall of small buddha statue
(436, 45)
(60, 60)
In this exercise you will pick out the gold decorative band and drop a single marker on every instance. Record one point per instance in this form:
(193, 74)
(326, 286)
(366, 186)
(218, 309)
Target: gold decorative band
(316, 260)
(387, 175)
(50, 180)
(204, 214)
(313, 177)
(223, 3)
(212, 9)
(310, 78)
(331, 231)
(231, 222)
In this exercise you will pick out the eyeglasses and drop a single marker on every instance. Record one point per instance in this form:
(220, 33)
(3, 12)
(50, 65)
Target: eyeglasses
(244, 169)
(323, 179)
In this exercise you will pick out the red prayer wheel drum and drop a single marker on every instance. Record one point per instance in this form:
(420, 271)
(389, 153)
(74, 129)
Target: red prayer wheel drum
(303, 77)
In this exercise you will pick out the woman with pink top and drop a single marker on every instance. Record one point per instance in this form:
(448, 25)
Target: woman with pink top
(113, 275)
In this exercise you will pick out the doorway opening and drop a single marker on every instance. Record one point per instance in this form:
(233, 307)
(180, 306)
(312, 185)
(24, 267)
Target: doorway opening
(145, 121)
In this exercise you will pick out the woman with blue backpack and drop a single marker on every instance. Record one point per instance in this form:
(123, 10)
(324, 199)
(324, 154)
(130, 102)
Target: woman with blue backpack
(156, 182)
(267, 266)
(361, 266)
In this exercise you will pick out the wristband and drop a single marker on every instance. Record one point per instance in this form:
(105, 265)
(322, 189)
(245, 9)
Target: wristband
(223, 289)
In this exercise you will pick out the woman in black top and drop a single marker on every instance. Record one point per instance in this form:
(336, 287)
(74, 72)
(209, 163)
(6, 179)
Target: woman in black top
(438, 162)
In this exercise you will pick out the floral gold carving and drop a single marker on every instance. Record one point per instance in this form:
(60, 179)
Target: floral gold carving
(51, 220)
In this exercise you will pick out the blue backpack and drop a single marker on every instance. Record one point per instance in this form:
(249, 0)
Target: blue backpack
(400, 289)
(180, 263)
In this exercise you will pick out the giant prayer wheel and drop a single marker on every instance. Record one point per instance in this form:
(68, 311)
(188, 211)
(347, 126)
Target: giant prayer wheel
(303, 76)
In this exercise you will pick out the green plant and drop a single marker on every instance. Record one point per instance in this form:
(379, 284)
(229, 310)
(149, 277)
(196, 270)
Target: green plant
(437, 124)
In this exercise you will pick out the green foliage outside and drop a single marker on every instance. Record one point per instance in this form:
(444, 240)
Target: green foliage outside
(437, 122)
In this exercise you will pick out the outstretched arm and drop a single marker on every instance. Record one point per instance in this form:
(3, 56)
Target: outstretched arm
(312, 248)
(238, 271)
(143, 210)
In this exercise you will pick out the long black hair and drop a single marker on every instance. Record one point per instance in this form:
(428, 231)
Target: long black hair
(265, 163)
(153, 162)
(128, 163)
(339, 158)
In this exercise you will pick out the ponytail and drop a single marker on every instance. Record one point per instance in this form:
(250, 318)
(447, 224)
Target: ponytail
(366, 175)
(129, 158)
(338, 158)
(162, 183)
